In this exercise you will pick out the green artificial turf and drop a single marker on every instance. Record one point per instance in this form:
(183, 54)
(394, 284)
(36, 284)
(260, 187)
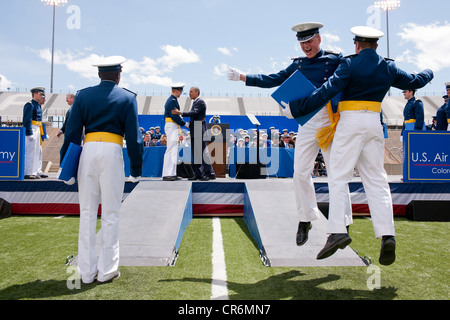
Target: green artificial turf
(33, 253)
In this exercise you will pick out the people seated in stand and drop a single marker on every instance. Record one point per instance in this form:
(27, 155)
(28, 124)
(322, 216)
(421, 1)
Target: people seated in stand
(162, 142)
(157, 133)
(287, 142)
(147, 142)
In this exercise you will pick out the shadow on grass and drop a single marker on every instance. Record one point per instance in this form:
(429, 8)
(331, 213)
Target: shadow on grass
(283, 286)
(39, 289)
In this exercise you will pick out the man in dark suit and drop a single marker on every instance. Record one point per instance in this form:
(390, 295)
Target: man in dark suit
(202, 170)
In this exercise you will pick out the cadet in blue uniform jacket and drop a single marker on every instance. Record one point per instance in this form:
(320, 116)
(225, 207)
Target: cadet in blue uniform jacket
(413, 112)
(441, 116)
(172, 103)
(32, 122)
(364, 79)
(172, 129)
(115, 112)
(108, 114)
(447, 107)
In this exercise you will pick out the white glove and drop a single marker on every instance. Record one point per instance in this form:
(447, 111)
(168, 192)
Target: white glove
(70, 182)
(187, 125)
(287, 110)
(134, 179)
(233, 74)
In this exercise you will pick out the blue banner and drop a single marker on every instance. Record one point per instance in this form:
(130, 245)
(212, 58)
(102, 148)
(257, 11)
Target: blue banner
(12, 153)
(426, 156)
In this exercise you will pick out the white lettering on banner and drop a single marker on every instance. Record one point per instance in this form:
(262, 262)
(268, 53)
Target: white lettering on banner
(7, 156)
(440, 171)
(441, 157)
(415, 157)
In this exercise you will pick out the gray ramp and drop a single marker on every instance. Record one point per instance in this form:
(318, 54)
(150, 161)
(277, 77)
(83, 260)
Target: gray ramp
(151, 220)
(276, 219)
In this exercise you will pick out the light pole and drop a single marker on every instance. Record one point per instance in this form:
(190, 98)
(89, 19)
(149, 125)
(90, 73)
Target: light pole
(387, 5)
(54, 3)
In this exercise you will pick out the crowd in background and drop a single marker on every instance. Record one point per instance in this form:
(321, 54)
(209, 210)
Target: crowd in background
(238, 138)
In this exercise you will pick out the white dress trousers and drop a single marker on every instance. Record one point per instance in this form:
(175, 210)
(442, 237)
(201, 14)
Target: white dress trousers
(33, 152)
(359, 142)
(171, 155)
(306, 150)
(101, 179)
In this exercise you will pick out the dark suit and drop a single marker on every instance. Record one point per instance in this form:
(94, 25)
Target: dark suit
(197, 127)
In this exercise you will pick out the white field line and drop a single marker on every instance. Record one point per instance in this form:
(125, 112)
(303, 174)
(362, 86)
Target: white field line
(219, 290)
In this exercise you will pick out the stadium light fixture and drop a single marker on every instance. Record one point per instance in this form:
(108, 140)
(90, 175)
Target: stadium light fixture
(387, 5)
(54, 3)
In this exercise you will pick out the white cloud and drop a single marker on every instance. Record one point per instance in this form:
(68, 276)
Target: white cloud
(146, 71)
(330, 41)
(227, 51)
(4, 83)
(431, 43)
(221, 70)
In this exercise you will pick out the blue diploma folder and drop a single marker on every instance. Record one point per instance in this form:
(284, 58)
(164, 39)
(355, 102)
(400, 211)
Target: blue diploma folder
(296, 87)
(69, 165)
(410, 126)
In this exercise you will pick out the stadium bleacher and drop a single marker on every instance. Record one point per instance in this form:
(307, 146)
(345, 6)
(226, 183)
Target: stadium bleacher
(11, 105)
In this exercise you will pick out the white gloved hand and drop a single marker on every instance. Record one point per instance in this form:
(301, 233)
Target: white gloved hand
(233, 74)
(187, 124)
(287, 110)
(133, 179)
(70, 182)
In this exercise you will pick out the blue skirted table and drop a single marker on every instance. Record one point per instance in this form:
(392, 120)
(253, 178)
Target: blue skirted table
(279, 162)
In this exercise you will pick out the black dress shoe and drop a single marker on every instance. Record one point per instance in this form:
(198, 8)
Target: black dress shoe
(212, 177)
(204, 178)
(302, 232)
(387, 252)
(170, 178)
(193, 178)
(42, 175)
(335, 241)
(30, 176)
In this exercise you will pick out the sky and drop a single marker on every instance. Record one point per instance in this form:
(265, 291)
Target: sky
(195, 41)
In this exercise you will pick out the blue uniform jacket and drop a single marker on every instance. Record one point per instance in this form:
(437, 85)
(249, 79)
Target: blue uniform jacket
(172, 103)
(447, 111)
(31, 111)
(414, 110)
(362, 77)
(317, 70)
(441, 118)
(106, 108)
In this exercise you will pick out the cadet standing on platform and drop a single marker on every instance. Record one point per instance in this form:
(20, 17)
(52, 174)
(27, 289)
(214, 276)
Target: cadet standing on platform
(447, 107)
(172, 130)
(32, 122)
(441, 115)
(108, 113)
(413, 112)
(364, 79)
(317, 67)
